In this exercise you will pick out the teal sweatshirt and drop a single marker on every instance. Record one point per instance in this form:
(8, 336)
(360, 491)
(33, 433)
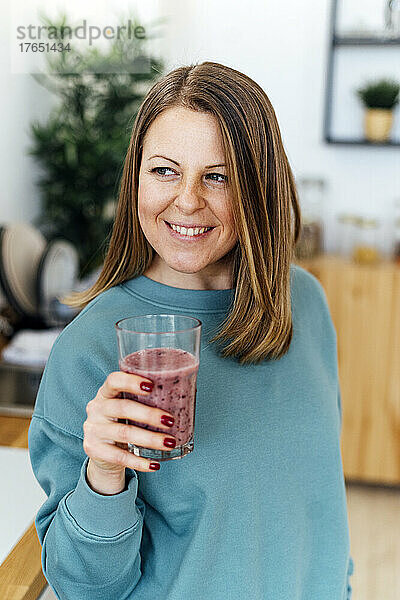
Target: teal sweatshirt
(257, 511)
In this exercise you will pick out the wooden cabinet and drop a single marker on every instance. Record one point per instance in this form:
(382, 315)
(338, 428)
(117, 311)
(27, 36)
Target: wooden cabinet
(364, 301)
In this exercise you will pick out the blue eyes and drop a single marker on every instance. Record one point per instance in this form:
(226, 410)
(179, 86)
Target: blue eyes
(223, 179)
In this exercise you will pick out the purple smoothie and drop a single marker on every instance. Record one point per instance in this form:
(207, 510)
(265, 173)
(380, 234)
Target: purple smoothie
(174, 373)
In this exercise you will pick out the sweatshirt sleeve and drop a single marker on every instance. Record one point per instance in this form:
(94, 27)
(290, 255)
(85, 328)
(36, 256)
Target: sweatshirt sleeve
(90, 542)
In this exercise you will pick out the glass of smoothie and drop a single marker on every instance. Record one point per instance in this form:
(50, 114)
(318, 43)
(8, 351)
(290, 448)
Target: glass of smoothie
(166, 349)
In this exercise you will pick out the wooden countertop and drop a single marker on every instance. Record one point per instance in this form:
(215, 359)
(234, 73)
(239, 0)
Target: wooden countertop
(21, 576)
(14, 431)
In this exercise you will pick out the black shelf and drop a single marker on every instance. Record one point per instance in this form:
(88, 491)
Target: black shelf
(331, 140)
(341, 40)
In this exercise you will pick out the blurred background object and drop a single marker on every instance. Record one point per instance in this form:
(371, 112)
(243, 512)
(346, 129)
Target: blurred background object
(365, 249)
(311, 196)
(346, 233)
(33, 277)
(392, 18)
(34, 273)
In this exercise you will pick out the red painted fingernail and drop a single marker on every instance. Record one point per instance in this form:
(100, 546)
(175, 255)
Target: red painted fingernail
(169, 442)
(154, 466)
(168, 421)
(147, 386)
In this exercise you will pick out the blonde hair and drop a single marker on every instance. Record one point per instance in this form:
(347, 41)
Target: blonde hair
(259, 324)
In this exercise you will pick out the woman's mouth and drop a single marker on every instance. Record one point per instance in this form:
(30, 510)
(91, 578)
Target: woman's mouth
(188, 234)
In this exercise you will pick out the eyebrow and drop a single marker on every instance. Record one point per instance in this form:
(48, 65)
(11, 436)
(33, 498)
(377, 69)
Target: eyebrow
(176, 163)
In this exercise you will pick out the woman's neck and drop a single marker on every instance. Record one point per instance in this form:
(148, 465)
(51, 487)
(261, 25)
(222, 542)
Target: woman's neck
(217, 276)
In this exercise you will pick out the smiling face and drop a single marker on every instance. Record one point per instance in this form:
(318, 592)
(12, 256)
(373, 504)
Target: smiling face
(183, 181)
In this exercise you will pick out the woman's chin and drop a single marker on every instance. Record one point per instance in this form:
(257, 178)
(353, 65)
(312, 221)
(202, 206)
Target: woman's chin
(187, 269)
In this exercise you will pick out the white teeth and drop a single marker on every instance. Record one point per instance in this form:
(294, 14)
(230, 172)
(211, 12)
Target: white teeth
(190, 231)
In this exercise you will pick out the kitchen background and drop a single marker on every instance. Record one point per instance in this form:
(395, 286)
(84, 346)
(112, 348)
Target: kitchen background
(332, 72)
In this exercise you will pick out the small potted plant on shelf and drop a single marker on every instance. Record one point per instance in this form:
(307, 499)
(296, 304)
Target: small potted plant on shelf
(379, 98)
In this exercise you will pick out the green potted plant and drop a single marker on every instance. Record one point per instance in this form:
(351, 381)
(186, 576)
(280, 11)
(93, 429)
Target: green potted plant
(379, 98)
(82, 143)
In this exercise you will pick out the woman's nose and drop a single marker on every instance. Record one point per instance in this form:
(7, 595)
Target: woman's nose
(189, 197)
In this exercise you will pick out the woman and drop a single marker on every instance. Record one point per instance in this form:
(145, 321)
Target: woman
(258, 509)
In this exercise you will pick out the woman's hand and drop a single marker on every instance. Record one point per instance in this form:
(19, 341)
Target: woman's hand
(106, 467)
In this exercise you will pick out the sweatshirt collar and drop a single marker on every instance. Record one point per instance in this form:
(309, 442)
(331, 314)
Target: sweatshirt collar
(181, 298)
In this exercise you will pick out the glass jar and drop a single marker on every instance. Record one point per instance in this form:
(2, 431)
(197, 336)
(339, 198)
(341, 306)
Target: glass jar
(310, 191)
(365, 249)
(310, 241)
(347, 232)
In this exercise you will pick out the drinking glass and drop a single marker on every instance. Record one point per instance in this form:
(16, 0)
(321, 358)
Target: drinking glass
(166, 349)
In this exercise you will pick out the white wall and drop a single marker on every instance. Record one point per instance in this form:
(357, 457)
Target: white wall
(284, 48)
(21, 101)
